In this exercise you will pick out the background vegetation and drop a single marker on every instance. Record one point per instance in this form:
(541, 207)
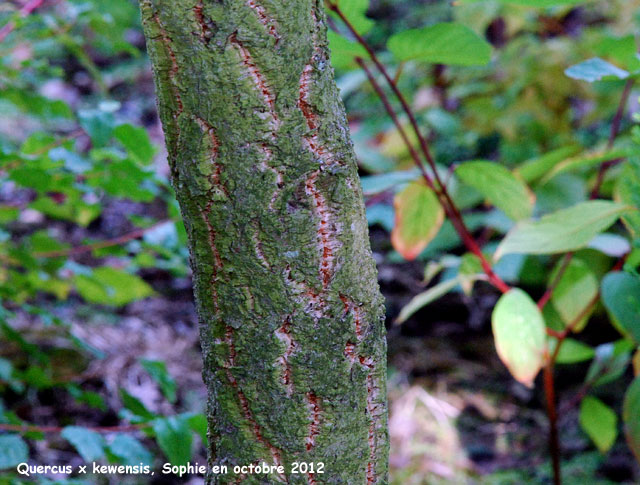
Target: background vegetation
(527, 108)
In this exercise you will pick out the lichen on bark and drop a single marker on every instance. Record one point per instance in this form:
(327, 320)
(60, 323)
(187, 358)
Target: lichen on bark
(285, 284)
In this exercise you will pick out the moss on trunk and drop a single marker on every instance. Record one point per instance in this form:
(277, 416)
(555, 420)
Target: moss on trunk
(286, 290)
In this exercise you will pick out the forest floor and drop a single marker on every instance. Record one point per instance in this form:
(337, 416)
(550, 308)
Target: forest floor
(456, 416)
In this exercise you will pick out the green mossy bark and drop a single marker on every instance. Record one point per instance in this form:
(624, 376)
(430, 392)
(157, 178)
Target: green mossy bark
(285, 284)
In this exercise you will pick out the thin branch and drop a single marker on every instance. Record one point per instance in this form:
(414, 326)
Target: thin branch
(25, 11)
(552, 412)
(561, 336)
(87, 248)
(544, 299)
(394, 117)
(613, 134)
(595, 192)
(448, 205)
(617, 119)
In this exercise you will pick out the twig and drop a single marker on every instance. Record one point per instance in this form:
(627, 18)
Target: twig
(448, 205)
(544, 299)
(87, 248)
(25, 11)
(394, 117)
(554, 443)
(613, 134)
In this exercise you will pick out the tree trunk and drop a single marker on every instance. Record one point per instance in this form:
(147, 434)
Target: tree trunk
(263, 167)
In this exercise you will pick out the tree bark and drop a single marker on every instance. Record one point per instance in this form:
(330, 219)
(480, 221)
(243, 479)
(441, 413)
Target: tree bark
(285, 284)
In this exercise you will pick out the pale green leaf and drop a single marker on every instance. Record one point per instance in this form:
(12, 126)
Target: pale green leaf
(520, 335)
(578, 285)
(595, 69)
(564, 230)
(432, 294)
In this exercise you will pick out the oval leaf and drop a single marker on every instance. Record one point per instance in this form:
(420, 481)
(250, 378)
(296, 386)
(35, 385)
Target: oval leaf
(576, 288)
(419, 216)
(444, 43)
(627, 190)
(499, 186)
(630, 413)
(88, 443)
(13, 450)
(621, 298)
(174, 438)
(433, 293)
(572, 352)
(594, 70)
(599, 422)
(130, 450)
(519, 333)
(564, 230)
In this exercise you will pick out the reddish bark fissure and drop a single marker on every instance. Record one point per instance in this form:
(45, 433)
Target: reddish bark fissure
(173, 72)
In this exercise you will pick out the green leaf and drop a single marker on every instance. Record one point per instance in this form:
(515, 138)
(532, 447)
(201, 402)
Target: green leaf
(198, 423)
(599, 422)
(419, 216)
(136, 406)
(355, 11)
(130, 450)
(595, 69)
(573, 352)
(444, 43)
(621, 49)
(627, 191)
(344, 51)
(110, 286)
(573, 293)
(564, 230)
(609, 363)
(88, 443)
(98, 124)
(13, 450)
(630, 413)
(136, 141)
(621, 298)
(520, 335)
(158, 371)
(429, 296)
(591, 158)
(174, 438)
(499, 186)
(535, 168)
